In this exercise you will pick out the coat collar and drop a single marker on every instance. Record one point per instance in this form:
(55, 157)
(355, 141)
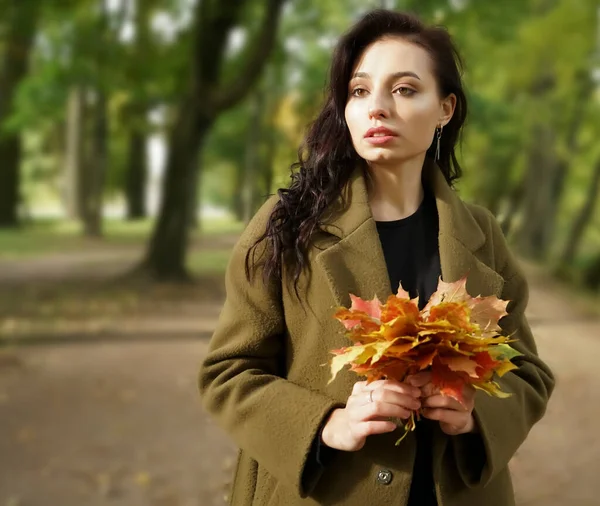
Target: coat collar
(455, 219)
(355, 264)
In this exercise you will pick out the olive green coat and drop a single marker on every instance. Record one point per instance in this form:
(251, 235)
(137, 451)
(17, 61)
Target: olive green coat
(264, 380)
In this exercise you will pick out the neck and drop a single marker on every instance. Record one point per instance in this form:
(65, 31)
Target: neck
(396, 190)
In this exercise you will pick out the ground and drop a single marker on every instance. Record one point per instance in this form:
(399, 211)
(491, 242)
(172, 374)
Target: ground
(108, 413)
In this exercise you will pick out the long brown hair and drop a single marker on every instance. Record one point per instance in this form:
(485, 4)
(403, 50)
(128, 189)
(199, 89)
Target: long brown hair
(327, 157)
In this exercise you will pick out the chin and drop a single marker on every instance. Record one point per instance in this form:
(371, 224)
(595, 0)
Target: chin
(382, 155)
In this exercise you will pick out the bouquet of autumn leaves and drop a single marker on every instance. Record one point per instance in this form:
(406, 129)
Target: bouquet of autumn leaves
(455, 337)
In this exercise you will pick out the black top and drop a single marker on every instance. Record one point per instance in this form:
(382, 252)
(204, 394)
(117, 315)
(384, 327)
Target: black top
(410, 248)
(411, 252)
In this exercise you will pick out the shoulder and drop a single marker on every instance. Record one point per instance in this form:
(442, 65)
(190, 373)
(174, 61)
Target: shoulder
(504, 260)
(482, 214)
(258, 224)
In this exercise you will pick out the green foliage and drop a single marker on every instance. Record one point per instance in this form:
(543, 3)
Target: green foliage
(528, 63)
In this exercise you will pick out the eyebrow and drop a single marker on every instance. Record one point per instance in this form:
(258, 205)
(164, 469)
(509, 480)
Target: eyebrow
(395, 75)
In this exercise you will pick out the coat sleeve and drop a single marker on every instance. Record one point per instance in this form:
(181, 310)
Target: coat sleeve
(505, 423)
(242, 379)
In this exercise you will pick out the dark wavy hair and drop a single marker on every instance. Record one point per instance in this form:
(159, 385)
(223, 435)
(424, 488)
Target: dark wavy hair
(327, 158)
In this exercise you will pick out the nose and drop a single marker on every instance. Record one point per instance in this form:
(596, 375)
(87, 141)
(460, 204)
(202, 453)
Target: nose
(378, 108)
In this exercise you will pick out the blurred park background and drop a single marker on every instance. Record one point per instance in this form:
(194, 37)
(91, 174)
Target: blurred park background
(137, 137)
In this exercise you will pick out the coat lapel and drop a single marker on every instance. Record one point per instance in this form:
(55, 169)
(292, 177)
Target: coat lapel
(355, 264)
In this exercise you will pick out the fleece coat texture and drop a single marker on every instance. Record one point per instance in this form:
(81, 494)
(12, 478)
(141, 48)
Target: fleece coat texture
(265, 378)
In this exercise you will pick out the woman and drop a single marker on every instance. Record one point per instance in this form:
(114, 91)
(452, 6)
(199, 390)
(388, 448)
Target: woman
(370, 206)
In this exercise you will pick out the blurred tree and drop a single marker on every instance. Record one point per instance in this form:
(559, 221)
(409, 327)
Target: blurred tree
(582, 219)
(145, 89)
(20, 20)
(208, 94)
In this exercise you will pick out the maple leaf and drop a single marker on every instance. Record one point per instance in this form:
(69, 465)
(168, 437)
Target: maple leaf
(486, 311)
(492, 388)
(461, 363)
(352, 318)
(370, 307)
(447, 292)
(505, 367)
(485, 363)
(396, 307)
(503, 351)
(450, 383)
(455, 313)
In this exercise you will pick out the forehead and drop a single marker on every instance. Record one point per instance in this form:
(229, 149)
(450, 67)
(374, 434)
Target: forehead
(393, 54)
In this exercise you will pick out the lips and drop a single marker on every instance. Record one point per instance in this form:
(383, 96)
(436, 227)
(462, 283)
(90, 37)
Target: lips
(380, 132)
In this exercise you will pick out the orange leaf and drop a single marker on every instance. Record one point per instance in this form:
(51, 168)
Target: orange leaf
(485, 363)
(450, 383)
(396, 307)
(426, 360)
(456, 313)
(461, 363)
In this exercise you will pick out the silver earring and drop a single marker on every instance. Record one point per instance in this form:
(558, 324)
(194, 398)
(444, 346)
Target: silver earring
(439, 140)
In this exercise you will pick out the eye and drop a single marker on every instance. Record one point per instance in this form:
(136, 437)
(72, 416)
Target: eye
(358, 92)
(404, 91)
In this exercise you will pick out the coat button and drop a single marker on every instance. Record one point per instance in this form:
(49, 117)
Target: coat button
(384, 477)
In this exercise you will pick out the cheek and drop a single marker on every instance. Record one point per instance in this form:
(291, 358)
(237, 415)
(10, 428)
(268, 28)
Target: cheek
(353, 119)
(421, 118)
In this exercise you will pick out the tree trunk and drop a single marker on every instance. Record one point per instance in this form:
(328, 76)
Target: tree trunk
(165, 258)
(515, 201)
(542, 168)
(583, 218)
(252, 157)
(206, 97)
(73, 176)
(96, 173)
(237, 200)
(136, 177)
(22, 20)
(591, 277)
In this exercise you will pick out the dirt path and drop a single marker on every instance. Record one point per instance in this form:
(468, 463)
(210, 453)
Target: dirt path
(119, 423)
(109, 424)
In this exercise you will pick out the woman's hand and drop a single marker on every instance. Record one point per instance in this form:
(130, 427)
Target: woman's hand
(367, 412)
(454, 417)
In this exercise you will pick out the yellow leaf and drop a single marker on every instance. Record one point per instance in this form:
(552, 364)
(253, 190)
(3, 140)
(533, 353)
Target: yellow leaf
(492, 388)
(339, 361)
(505, 367)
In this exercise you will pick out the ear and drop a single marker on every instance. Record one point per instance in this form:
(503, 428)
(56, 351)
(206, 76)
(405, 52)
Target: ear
(447, 107)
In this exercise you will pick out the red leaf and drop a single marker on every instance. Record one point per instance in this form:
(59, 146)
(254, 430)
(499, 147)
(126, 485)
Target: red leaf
(449, 382)
(485, 363)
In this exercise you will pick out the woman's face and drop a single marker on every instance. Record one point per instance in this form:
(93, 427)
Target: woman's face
(393, 90)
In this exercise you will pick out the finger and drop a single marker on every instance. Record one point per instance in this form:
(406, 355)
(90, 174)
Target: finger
(451, 430)
(396, 386)
(392, 397)
(359, 386)
(469, 393)
(419, 379)
(447, 416)
(429, 389)
(364, 429)
(444, 401)
(378, 410)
